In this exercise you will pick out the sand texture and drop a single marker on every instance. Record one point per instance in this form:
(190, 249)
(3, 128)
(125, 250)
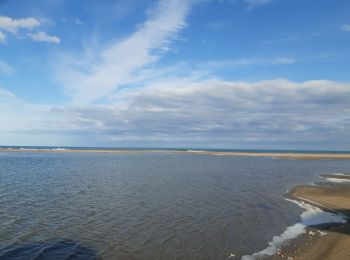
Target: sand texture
(335, 244)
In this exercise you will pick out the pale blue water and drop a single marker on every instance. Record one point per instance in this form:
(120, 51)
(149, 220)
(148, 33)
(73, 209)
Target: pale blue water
(146, 206)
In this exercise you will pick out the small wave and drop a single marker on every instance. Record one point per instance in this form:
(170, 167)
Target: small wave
(341, 178)
(40, 149)
(195, 151)
(340, 174)
(336, 180)
(28, 149)
(311, 216)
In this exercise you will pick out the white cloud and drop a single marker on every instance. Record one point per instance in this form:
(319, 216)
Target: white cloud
(43, 37)
(223, 113)
(346, 27)
(119, 62)
(6, 68)
(187, 112)
(13, 25)
(2, 37)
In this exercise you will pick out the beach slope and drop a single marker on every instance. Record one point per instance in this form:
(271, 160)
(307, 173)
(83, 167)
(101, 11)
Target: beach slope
(333, 240)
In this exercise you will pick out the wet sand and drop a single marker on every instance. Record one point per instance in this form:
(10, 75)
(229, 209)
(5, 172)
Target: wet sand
(327, 241)
(303, 156)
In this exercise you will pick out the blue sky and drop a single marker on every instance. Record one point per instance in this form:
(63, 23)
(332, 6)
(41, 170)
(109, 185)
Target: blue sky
(268, 74)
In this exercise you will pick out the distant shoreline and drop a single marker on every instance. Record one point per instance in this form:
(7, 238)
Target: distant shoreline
(286, 155)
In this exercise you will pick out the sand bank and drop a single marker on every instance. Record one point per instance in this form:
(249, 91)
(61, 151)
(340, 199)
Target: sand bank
(304, 156)
(327, 241)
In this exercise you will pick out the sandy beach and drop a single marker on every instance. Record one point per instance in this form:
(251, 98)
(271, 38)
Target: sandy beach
(328, 241)
(302, 156)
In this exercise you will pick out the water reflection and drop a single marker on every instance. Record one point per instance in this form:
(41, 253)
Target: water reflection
(63, 249)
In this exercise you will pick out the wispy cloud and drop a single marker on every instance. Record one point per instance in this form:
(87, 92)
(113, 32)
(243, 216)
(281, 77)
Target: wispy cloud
(346, 27)
(284, 60)
(246, 62)
(282, 40)
(15, 114)
(254, 3)
(6, 68)
(44, 37)
(13, 25)
(23, 123)
(2, 37)
(117, 63)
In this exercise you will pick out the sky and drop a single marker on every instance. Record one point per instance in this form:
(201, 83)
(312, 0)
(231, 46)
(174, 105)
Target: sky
(233, 74)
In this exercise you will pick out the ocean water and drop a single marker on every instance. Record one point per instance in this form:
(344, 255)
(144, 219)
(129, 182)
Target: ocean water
(147, 206)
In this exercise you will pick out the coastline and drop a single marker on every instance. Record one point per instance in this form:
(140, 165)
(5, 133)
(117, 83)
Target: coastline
(328, 240)
(324, 241)
(287, 155)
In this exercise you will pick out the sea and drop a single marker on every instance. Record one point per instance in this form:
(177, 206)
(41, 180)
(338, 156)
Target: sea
(56, 205)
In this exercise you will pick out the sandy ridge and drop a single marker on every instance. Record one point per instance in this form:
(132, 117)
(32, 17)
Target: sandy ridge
(304, 156)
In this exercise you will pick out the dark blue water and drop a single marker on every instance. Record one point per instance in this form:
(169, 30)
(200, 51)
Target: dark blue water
(146, 206)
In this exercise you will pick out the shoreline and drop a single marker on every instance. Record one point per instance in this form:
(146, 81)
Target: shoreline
(328, 240)
(287, 155)
(323, 241)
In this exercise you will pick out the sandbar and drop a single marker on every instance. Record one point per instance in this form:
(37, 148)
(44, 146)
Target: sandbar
(285, 155)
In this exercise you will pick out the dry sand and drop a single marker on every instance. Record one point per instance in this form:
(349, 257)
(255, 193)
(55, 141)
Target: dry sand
(335, 245)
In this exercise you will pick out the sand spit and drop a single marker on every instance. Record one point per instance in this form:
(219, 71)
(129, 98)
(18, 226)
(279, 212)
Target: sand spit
(327, 241)
(304, 156)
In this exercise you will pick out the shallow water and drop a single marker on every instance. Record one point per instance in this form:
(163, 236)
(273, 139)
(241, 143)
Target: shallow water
(147, 206)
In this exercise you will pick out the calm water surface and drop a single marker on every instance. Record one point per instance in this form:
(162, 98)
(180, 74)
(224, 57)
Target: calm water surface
(146, 206)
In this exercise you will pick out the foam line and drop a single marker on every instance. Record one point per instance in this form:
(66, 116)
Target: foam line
(337, 180)
(311, 216)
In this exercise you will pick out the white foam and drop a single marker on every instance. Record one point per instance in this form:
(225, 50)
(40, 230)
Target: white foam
(340, 174)
(322, 233)
(311, 216)
(28, 149)
(42, 149)
(59, 149)
(336, 180)
(195, 151)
